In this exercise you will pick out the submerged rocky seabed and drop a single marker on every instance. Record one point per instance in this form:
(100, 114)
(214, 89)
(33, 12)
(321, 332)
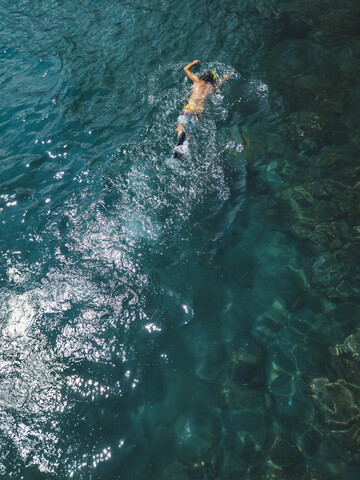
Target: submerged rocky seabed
(303, 178)
(289, 396)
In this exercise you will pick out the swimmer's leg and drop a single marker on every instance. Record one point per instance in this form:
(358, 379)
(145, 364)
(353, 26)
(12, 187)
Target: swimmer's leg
(180, 130)
(181, 138)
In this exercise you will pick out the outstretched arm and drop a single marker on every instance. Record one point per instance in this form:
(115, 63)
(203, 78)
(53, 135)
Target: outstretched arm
(191, 76)
(222, 81)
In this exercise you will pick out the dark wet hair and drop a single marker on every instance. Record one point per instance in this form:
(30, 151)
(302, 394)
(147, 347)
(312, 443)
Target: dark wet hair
(208, 77)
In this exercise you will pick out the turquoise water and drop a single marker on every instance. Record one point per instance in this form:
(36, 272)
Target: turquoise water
(164, 321)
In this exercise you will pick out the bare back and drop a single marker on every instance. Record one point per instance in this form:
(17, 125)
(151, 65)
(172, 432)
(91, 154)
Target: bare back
(201, 91)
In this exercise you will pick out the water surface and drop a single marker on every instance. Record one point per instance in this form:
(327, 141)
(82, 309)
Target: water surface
(166, 321)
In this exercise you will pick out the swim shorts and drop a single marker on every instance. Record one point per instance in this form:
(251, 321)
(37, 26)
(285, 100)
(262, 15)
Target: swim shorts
(188, 119)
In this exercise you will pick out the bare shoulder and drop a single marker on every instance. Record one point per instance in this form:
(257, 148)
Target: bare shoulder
(205, 87)
(209, 89)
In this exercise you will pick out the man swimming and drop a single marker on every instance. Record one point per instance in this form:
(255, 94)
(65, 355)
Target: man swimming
(202, 88)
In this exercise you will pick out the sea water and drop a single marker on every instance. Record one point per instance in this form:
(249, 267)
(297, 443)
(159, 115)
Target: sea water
(167, 320)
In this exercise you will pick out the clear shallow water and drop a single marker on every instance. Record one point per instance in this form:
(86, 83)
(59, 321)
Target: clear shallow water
(179, 322)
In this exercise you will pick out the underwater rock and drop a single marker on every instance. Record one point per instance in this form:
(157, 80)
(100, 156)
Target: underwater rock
(337, 21)
(247, 363)
(346, 441)
(330, 158)
(235, 472)
(256, 151)
(231, 396)
(251, 143)
(243, 388)
(241, 454)
(347, 368)
(311, 441)
(292, 288)
(355, 137)
(284, 453)
(351, 346)
(274, 473)
(239, 267)
(289, 24)
(250, 425)
(347, 289)
(304, 130)
(197, 437)
(276, 216)
(271, 322)
(246, 434)
(352, 249)
(175, 471)
(345, 310)
(282, 365)
(328, 235)
(326, 271)
(313, 85)
(203, 470)
(208, 357)
(325, 97)
(314, 204)
(337, 402)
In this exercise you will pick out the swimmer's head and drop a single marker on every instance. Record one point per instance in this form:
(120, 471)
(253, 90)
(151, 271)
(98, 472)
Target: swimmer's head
(208, 77)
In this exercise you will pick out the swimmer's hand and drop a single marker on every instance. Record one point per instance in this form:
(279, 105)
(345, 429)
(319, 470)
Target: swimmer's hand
(195, 62)
(222, 80)
(191, 76)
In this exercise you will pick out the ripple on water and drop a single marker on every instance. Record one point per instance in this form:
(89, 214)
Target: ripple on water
(31, 385)
(167, 320)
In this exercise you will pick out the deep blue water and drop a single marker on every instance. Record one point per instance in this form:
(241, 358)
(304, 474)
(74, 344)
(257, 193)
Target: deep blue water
(163, 321)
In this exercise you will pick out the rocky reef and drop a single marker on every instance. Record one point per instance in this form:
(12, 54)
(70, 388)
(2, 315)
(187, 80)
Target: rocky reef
(304, 171)
(288, 396)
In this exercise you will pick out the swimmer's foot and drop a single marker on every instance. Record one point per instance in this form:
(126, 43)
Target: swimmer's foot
(178, 149)
(178, 154)
(181, 138)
